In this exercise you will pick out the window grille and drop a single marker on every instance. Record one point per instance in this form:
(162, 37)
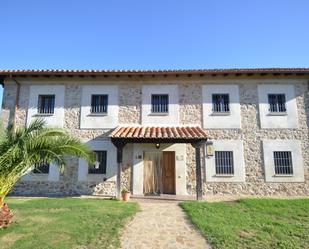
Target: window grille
(41, 168)
(99, 103)
(276, 102)
(224, 162)
(221, 103)
(46, 104)
(101, 159)
(159, 103)
(283, 162)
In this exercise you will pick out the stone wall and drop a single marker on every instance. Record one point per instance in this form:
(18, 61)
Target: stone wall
(190, 101)
(252, 136)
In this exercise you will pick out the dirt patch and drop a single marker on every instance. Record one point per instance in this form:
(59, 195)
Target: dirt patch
(41, 219)
(246, 234)
(9, 239)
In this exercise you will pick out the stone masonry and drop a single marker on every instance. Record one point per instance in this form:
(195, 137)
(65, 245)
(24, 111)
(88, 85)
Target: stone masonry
(190, 108)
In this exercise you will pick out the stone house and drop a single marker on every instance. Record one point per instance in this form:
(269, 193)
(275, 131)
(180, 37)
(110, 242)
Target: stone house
(149, 130)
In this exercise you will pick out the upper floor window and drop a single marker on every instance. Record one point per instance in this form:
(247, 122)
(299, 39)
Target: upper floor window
(283, 162)
(224, 162)
(41, 168)
(276, 102)
(99, 103)
(46, 104)
(159, 103)
(220, 103)
(99, 167)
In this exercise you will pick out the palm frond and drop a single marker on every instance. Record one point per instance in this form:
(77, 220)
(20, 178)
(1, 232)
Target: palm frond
(20, 149)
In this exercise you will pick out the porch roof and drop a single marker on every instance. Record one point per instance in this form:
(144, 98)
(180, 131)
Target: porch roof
(167, 134)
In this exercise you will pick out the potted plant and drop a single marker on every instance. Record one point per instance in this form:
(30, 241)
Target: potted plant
(125, 194)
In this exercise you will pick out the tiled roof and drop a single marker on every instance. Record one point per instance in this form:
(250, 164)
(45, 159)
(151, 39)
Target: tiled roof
(168, 71)
(180, 132)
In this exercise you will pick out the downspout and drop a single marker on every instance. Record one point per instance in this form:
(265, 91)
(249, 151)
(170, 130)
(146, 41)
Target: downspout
(16, 101)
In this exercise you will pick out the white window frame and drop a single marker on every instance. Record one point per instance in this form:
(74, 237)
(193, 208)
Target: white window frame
(277, 120)
(269, 146)
(111, 162)
(55, 119)
(236, 146)
(109, 120)
(52, 176)
(166, 118)
(221, 120)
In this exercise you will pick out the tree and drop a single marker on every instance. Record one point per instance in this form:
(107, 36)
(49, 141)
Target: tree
(20, 149)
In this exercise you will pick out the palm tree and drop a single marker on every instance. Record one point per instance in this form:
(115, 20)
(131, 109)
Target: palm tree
(20, 149)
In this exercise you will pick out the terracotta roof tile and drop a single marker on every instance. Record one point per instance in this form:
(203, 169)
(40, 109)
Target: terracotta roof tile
(168, 71)
(183, 132)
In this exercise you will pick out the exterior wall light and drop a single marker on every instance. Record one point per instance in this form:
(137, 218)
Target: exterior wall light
(157, 146)
(96, 165)
(209, 148)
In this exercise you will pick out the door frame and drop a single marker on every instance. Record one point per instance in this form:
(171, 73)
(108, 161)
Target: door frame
(180, 166)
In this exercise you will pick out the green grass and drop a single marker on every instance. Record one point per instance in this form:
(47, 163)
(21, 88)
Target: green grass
(252, 223)
(65, 223)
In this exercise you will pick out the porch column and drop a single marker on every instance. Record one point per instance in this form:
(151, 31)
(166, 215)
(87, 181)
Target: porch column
(119, 147)
(198, 169)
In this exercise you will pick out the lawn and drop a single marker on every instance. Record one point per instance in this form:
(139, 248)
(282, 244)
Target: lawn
(65, 223)
(252, 223)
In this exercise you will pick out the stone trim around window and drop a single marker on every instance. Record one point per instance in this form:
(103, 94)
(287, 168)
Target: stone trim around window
(52, 176)
(294, 146)
(235, 146)
(231, 118)
(56, 117)
(111, 162)
(171, 116)
(285, 118)
(99, 120)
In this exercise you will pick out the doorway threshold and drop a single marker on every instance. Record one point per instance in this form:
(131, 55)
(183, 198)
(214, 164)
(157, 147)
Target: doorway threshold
(164, 197)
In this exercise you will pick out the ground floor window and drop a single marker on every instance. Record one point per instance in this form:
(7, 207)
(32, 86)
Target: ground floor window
(41, 168)
(283, 162)
(224, 162)
(99, 167)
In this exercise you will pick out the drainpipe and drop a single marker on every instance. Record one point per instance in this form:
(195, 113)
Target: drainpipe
(16, 102)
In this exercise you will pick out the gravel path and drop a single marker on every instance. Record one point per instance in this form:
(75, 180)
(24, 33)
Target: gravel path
(161, 225)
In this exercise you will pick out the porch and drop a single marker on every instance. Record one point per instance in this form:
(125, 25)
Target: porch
(165, 180)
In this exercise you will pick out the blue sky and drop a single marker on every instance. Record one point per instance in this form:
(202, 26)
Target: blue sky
(161, 34)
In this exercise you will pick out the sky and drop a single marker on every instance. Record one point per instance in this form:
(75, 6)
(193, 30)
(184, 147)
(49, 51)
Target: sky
(153, 34)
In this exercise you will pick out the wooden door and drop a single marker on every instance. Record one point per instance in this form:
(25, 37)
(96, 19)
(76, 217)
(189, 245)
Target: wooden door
(152, 172)
(168, 172)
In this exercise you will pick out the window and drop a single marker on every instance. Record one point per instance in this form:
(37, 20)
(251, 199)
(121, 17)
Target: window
(41, 168)
(224, 162)
(159, 103)
(99, 103)
(276, 102)
(46, 104)
(220, 103)
(100, 166)
(283, 162)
